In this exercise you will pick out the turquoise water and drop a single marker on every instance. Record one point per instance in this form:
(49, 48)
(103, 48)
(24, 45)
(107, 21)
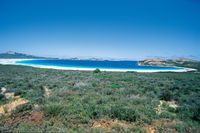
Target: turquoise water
(131, 65)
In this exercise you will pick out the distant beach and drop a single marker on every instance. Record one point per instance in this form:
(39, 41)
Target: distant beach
(14, 62)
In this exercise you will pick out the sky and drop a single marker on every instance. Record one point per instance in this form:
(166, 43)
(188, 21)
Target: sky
(129, 29)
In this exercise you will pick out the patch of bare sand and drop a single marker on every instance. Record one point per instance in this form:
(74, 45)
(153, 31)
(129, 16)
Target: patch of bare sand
(166, 123)
(108, 124)
(8, 94)
(7, 108)
(36, 106)
(171, 104)
(3, 90)
(47, 91)
(11, 95)
(149, 129)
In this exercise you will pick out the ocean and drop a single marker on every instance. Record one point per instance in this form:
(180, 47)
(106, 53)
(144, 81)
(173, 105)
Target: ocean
(130, 65)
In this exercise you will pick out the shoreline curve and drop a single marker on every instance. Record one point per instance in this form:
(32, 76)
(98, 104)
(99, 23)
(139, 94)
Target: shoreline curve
(13, 62)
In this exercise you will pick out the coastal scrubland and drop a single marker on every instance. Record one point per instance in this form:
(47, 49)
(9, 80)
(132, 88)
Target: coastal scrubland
(98, 102)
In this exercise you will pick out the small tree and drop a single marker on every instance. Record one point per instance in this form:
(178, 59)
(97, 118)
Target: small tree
(97, 70)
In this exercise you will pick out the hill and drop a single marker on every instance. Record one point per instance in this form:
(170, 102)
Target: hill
(14, 55)
(180, 62)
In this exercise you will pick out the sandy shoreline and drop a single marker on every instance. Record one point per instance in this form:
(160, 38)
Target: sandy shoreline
(13, 62)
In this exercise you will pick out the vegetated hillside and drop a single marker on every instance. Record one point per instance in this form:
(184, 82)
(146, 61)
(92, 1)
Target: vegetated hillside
(13, 55)
(49, 100)
(181, 62)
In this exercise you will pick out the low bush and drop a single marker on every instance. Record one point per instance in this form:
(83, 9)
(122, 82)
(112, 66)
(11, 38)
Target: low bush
(2, 97)
(97, 71)
(22, 108)
(126, 114)
(18, 92)
(114, 86)
(53, 110)
(166, 95)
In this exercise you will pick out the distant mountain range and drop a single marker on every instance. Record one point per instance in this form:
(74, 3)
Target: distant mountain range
(154, 60)
(14, 55)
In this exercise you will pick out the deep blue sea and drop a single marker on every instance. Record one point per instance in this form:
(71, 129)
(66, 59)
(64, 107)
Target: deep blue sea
(95, 64)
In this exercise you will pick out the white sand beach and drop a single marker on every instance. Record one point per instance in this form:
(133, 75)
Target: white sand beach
(13, 62)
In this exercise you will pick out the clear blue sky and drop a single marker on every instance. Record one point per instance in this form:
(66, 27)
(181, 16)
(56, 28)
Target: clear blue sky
(101, 28)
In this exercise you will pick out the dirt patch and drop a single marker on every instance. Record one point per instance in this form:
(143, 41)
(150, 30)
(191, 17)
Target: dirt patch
(166, 122)
(108, 124)
(171, 104)
(36, 106)
(167, 125)
(10, 119)
(11, 95)
(3, 90)
(8, 94)
(35, 117)
(7, 108)
(47, 91)
(149, 129)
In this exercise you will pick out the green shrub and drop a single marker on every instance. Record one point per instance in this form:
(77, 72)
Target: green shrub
(196, 115)
(2, 97)
(118, 128)
(166, 95)
(114, 86)
(192, 112)
(126, 114)
(53, 110)
(94, 84)
(1, 117)
(18, 92)
(26, 127)
(180, 128)
(97, 71)
(166, 114)
(22, 108)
